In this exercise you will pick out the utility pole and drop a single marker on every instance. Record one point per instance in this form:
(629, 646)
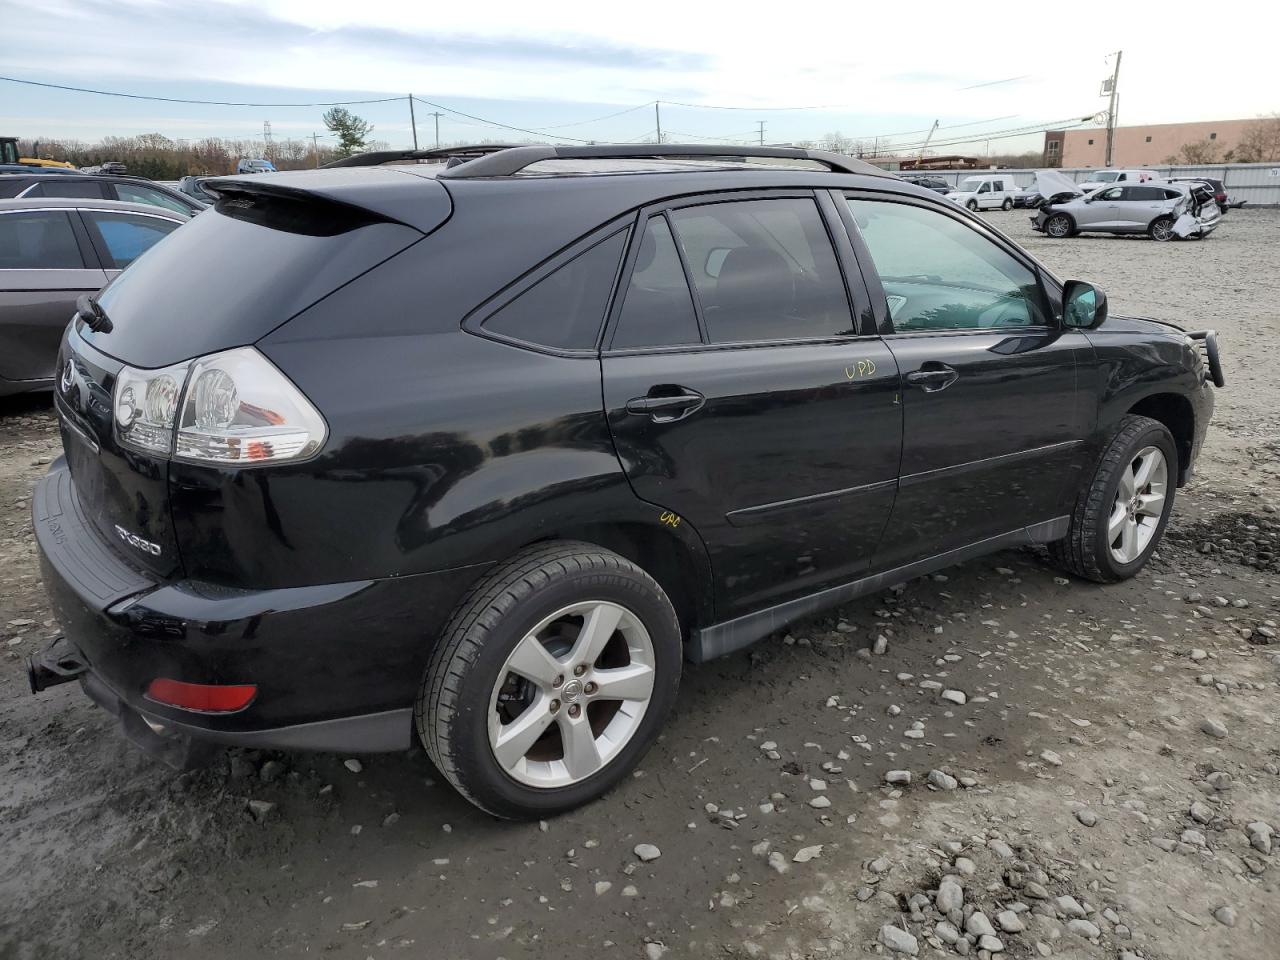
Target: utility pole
(1112, 86)
(413, 123)
(760, 124)
(657, 119)
(266, 139)
(315, 145)
(437, 116)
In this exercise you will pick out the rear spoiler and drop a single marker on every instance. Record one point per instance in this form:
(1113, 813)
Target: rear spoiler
(371, 194)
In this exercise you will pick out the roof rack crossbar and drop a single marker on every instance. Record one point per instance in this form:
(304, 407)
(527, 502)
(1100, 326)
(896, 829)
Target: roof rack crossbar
(509, 162)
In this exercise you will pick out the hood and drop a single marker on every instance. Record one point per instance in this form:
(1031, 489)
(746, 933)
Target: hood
(1051, 183)
(1143, 325)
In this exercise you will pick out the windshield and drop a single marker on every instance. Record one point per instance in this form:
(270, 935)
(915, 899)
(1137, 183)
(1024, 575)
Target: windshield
(1104, 176)
(970, 185)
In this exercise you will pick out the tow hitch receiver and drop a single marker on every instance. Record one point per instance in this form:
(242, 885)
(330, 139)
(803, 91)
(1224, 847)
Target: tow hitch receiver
(57, 663)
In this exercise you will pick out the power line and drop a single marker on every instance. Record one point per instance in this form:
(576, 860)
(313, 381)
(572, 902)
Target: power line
(495, 123)
(993, 83)
(607, 116)
(207, 103)
(714, 106)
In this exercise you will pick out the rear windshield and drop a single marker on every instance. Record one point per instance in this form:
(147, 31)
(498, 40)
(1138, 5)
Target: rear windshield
(233, 274)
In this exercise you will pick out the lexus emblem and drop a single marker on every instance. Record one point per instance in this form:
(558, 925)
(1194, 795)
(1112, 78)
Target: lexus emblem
(68, 376)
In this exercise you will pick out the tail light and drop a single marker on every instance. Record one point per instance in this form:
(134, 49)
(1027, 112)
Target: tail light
(232, 408)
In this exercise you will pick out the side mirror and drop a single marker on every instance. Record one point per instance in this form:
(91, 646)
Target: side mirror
(1084, 306)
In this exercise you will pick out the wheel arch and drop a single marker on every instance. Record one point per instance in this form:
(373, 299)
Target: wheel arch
(1075, 227)
(668, 550)
(1178, 416)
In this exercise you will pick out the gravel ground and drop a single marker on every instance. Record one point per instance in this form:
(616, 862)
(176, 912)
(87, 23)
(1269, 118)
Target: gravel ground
(1105, 783)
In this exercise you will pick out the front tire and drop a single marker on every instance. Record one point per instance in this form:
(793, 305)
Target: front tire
(1059, 225)
(551, 680)
(1120, 517)
(973, 206)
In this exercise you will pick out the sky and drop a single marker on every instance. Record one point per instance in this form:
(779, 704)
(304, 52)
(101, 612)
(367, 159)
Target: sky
(559, 70)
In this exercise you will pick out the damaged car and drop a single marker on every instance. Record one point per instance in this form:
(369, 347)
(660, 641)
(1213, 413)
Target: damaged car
(1161, 210)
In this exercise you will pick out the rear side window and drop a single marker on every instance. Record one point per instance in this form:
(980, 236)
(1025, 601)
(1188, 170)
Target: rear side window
(70, 187)
(38, 241)
(764, 270)
(564, 309)
(658, 308)
(125, 237)
(157, 198)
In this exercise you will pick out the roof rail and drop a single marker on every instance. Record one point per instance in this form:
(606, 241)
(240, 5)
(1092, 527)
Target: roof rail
(508, 162)
(376, 157)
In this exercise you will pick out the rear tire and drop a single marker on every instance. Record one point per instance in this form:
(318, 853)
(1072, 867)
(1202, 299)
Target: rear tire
(1117, 523)
(1007, 205)
(1161, 229)
(518, 653)
(1060, 225)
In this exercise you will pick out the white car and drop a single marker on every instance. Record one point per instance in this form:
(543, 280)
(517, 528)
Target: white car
(1105, 178)
(985, 192)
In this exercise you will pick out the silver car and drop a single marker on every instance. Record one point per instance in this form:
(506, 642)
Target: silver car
(52, 250)
(1163, 211)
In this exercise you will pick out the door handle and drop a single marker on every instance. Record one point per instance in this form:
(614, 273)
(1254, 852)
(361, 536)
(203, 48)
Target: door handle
(667, 407)
(933, 376)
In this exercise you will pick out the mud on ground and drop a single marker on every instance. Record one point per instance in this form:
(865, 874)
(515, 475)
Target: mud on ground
(1107, 786)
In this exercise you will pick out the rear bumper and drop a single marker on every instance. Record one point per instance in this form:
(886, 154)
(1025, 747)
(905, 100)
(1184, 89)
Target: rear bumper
(337, 666)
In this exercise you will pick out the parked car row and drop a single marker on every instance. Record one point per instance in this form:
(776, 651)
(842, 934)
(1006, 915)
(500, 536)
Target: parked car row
(1110, 201)
(97, 186)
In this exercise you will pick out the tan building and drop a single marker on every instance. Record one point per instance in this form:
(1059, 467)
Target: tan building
(1139, 146)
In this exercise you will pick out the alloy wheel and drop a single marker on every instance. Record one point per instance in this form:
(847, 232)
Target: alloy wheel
(1138, 505)
(1162, 230)
(1058, 226)
(571, 695)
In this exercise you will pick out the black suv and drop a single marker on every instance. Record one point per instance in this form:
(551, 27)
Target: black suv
(936, 184)
(479, 452)
(96, 186)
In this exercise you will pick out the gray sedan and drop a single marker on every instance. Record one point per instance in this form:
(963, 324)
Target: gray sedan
(52, 251)
(1152, 208)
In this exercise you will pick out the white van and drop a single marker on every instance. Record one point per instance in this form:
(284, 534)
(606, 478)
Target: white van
(1105, 178)
(985, 192)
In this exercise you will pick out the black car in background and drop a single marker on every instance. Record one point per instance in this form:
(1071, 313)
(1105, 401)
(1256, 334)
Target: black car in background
(423, 470)
(936, 184)
(96, 186)
(1217, 186)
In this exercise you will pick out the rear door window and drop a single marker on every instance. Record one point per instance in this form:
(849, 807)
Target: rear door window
(658, 308)
(135, 193)
(69, 187)
(38, 241)
(764, 270)
(123, 237)
(564, 309)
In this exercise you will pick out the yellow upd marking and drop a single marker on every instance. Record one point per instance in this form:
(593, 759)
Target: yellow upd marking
(669, 518)
(863, 368)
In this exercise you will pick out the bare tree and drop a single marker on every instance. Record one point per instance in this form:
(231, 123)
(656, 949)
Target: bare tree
(1260, 142)
(836, 142)
(1199, 151)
